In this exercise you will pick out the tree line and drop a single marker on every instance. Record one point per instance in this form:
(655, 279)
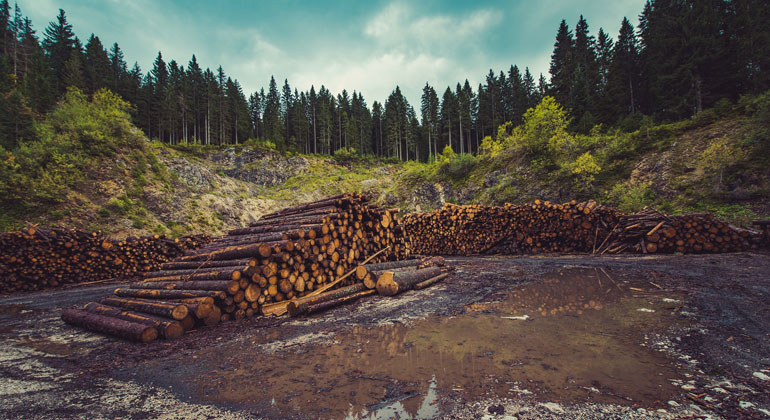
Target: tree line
(682, 57)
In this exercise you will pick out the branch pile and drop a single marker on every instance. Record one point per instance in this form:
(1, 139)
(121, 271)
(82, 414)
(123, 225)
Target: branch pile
(38, 258)
(570, 227)
(296, 254)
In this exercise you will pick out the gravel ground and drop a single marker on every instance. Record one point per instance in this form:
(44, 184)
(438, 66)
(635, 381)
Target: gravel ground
(712, 328)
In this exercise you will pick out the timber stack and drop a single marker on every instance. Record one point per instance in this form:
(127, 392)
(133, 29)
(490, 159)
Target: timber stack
(585, 227)
(37, 258)
(299, 252)
(649, 232)
(526, 229)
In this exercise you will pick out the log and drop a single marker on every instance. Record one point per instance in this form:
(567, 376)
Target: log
(168, 294)
(194, 271)
(166, 327)
(193, 265)
(111, 326)
(298, 307)
(175, 311)
(322, 306)
(229, 286)
(362, 270)
(391, 283)
(430, 282)
(212, 275)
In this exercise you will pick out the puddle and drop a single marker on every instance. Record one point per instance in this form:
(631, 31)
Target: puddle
(579, 342)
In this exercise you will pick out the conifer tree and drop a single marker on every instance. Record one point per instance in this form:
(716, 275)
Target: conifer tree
(59, 43)
(562, 65)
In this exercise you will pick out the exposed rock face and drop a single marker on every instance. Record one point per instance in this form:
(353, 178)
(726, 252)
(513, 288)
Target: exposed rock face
(262, 168)
(194, 175)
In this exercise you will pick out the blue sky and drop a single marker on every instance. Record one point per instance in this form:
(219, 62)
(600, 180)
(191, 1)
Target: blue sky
(369, 46)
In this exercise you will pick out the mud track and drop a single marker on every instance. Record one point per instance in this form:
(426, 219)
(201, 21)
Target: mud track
(524, 337)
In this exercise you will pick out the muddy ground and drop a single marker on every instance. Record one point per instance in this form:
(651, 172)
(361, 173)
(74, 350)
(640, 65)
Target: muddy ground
(678, 337)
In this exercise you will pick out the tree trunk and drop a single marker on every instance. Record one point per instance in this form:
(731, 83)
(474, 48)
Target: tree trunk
(111, 326)
(391, 283)
(167, 328)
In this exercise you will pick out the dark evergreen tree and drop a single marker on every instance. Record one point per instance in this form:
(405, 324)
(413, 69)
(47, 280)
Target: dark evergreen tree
(530, 88)
(59, 43)
(118, 70)
(624, 74)
(563, 65)
(377, 131)
(74, 73)
(97, 65)
(158, 102)
(272, 115)
(448, 118)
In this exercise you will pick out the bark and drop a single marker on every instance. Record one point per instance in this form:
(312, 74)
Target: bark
(175, 311)
(111, 326)
(168, 294)
(300, 306)
(391, 283)
(166, 327)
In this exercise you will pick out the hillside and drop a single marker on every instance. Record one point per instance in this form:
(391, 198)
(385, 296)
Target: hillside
(717, 162)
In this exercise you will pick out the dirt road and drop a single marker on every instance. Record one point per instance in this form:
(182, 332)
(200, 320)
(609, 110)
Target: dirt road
(502, 337)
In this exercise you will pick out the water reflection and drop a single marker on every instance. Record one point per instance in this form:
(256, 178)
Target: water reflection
(579, 343)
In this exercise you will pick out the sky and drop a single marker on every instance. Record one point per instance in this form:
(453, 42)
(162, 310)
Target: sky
(368, 46)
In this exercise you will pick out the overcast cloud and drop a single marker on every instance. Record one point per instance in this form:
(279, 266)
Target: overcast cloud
(369, 46)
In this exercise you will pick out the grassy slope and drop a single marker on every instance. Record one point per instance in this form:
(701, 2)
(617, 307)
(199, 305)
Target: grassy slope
(663, 168)
(182, 190)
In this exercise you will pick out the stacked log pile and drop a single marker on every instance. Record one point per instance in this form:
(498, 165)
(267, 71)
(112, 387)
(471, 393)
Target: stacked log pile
(527, 229)
(570, 227)
(649, 232)
(295, 253)
(38, 258)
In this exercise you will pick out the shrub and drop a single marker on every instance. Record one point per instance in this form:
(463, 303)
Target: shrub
(261, 144)
(629, 197)
(457, 167)
(74, 138)
(347, 156)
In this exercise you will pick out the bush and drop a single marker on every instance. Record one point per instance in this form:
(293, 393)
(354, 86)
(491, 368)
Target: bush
(74, 138)
(629, 197)
(261, 144)
(347, 156)
(457, 167)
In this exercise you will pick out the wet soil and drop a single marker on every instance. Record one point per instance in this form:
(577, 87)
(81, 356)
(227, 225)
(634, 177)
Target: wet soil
(530, 337)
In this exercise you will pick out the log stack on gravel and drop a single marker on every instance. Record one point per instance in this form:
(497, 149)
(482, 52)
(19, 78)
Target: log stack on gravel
(570, 227)
(295, 253)
(526, 229)
(38, 258)
(649, 232)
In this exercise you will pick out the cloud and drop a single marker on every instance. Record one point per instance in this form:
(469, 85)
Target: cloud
(409, 48)
(400, 26)
(378, 75)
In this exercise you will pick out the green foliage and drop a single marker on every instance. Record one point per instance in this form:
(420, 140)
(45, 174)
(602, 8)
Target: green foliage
(718, 156)
(120, 205)
(457, 167)
(261, 144)
(584, 168)
(73, 139)
(544, 128)
(630, 197)
(347, 156)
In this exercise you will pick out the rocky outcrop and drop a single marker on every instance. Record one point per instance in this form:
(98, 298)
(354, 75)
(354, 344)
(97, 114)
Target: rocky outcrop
(266, 169)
